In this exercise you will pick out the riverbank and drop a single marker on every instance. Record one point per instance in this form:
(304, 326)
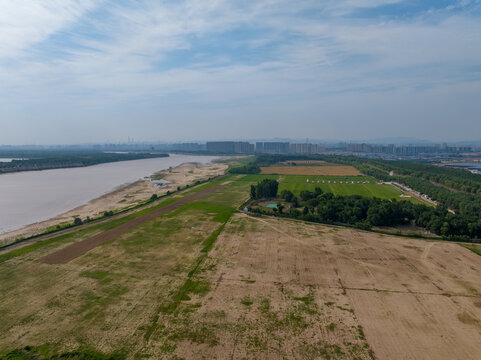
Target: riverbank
(49, 160)
(123, 197)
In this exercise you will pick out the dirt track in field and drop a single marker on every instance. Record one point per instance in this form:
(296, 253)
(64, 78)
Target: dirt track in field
(73, 251)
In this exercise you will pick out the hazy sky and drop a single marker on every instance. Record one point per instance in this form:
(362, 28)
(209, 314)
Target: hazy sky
(93, 70)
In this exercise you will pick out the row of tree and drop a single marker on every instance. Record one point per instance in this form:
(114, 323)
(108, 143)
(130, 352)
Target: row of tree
(64, 159)
(366, 212)
(266, 188)
(455, 178)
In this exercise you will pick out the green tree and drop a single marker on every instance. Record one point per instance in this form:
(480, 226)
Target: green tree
(253, 192)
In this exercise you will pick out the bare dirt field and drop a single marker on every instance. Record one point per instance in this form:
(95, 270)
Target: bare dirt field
(184, 174)
(304, 291)
(328, 170)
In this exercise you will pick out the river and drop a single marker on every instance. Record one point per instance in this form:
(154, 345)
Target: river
(32, 196)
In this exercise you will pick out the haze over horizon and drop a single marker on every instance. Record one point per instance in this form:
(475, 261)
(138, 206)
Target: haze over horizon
(96, 71)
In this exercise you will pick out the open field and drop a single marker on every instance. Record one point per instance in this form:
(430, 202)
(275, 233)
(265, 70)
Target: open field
(330, 170)
(205, 281)
(338, 185)
(286, 289)
(107, 297)
(73, 251)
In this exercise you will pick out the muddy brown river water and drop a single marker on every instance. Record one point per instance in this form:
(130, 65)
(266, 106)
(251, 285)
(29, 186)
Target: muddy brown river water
(33, 196)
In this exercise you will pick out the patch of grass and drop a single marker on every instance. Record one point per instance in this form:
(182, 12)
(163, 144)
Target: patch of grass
(257, 342)
(320, 349)
(222, 213)
(247, 301)
(331, 327)
(200, 334)
(307, 305)
(94, 301)
(345, 309)
(198, 287)
(248, 281)
(362, 336)
(475, 249)
(308, 299)
(216, 314)
(96, 274)
(209, 242)
(44, 352)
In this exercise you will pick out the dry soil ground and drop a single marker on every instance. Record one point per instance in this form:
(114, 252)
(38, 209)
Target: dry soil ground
(269, 288)
(286, 289)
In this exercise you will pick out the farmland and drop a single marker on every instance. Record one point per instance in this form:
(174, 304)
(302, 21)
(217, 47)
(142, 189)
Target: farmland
(205, 280)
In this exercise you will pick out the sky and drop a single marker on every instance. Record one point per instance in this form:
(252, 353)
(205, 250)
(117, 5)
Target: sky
(101, 71)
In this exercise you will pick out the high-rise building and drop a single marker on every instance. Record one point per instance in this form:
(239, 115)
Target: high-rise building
(276, 147)
(304, 148)
(230, 147)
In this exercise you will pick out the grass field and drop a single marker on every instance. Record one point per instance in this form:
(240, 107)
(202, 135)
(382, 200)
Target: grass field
(321, 169)
(112, 297)
(207, 281)
(338, 185)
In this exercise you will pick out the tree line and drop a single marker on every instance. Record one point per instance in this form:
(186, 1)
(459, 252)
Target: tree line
(364, 212)
(266, 188)
(67, 159)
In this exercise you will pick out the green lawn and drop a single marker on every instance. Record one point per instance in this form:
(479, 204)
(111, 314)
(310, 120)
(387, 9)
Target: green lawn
(338, 185)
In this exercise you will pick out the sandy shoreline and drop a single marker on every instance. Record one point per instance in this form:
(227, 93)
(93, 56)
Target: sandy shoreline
(124, 196)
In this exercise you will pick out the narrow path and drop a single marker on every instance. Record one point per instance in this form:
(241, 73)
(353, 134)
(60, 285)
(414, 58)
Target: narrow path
(75, 250)
(425, 253)
(21, 244)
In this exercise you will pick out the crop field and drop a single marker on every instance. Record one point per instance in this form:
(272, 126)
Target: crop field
(205, 280)
(338, 185)
(322, 169)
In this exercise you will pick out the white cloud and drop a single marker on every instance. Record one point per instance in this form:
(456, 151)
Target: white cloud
(294, 58)
(24, 23)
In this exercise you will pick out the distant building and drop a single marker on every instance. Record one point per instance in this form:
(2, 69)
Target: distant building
(304, 148)
(187, 147)
(241, 147)
(225, 147)
(276, 147)
(405, 149)
(230, 147)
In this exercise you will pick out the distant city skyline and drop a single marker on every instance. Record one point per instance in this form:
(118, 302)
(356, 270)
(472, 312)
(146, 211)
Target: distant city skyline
(85, 71)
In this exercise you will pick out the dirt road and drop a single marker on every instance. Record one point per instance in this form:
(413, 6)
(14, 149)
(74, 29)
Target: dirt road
(78, 249)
